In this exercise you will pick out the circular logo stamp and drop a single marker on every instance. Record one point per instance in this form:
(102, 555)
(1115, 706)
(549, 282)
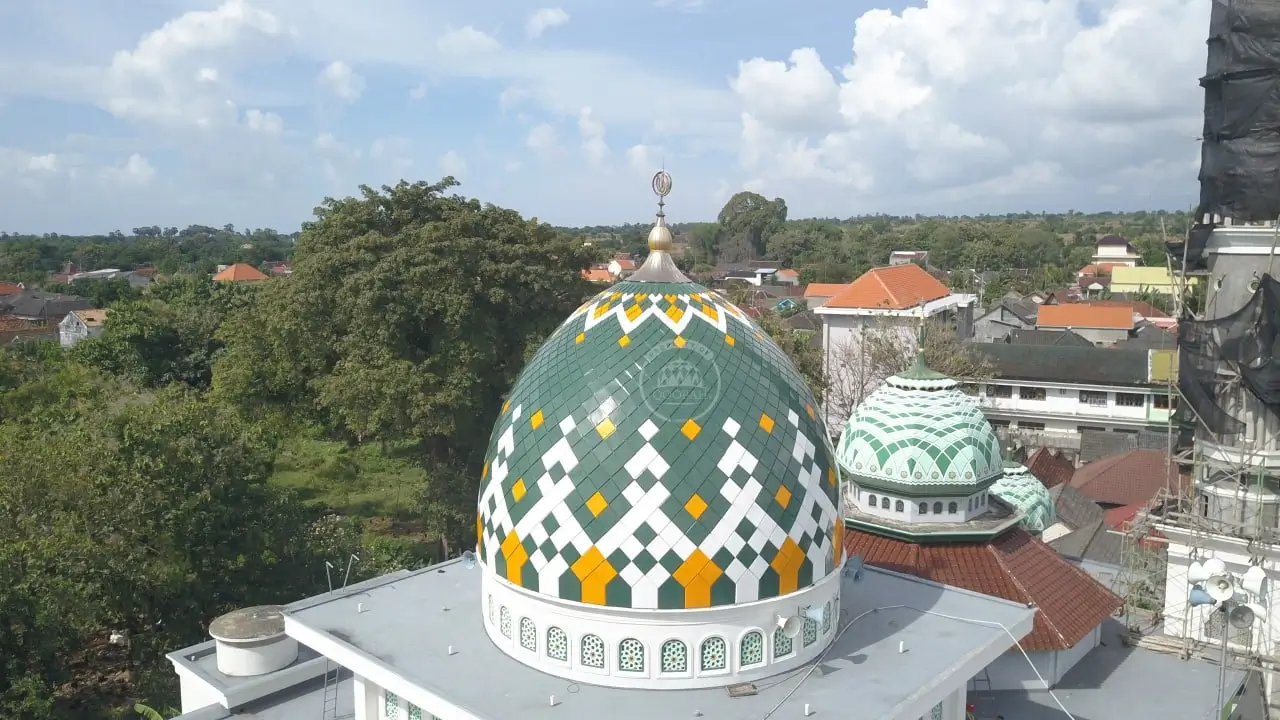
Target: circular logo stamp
(680, 383)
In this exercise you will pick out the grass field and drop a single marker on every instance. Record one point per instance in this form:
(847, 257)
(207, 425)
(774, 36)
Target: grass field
(358, 482)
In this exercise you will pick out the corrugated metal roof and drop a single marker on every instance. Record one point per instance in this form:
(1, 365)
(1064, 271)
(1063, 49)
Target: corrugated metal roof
(1057, 363)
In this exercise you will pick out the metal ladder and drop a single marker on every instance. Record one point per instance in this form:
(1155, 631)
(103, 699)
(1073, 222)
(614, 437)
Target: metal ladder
(329, 711)
(981, 694)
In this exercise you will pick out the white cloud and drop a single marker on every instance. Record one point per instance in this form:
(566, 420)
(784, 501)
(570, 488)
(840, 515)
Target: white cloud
(543, 20)
(418, 92)
(592, 132)
(466, 42)
(451, 163)
(392, 149)
(643, 157)
(542, 139)
(263, 122)
(511, 97)
(344, 82)
(135, 171)
(965, 100)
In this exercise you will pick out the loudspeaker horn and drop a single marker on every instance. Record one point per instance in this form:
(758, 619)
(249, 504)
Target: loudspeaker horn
(1241, 617)
(1199, 597)
(1255, 582)
(1220, 587)
(1199, 572)
(790, 626)
(469, 559)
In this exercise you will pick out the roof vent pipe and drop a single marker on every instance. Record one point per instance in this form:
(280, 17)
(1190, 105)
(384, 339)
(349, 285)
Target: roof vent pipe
(251, 641)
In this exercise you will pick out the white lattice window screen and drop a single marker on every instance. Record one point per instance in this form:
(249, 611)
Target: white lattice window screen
(752, 651)
(782, 645)
(810, 631)
(390, 705)
(528, 635)
(675, 657)
(557, 644)
(714, 654)
(504, 616)
(631, 655)
(592, 651)
(936, 712)
(415, 712)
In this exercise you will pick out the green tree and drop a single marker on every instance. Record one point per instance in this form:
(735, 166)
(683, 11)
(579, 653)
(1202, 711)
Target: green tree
(752, 218)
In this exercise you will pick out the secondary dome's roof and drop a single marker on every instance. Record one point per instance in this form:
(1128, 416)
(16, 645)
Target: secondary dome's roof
(660, 452)
(918, 434)
(1018, 487)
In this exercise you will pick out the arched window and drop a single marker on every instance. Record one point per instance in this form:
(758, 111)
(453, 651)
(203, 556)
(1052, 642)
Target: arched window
(782, 645)
(810, 631)
(752, 650)
(631, 655)
(675, 657)
(826, 618)
(952, 508)
(390, 705)
(592, 652)
(871, 500)
(557, 644)
(924, 508)
(884, 503)
(897, 506)
(528, 635)
(713, 655)
(937, 508)
(504, 621)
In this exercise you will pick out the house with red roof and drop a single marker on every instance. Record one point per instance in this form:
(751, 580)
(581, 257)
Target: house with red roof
(892, 299)
(1103, 325)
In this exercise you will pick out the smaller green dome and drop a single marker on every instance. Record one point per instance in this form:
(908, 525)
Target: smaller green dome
(918, 434)
(1024, 491)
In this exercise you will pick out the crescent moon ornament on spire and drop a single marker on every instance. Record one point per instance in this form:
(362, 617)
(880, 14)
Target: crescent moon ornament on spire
(661, 183)
(660, 266)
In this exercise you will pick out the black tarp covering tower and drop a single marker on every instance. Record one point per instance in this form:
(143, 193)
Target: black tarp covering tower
(1240, 154)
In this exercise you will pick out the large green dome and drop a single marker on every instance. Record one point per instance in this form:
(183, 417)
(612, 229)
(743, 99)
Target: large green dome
(919, 435)
(660, 452)
(1018, 487)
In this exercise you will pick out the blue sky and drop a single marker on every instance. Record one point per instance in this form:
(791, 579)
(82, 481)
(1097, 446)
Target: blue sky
(170, 112)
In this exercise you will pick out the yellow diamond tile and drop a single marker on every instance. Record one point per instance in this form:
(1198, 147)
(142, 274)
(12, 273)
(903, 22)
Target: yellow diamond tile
(787, 564)
(633, 312)
(605, 428)
(518, 490)
(616, 295)
(513, 550)
(729, 339)
(536, 420)
(479, 533)
(696, 506)
(604, 308)
(679, 341)
(809, 409)
(506, 406)
(766, 422)
(690, 429)
(697, 594)
(696, 296)
(670, 298)
(640, 297)
(587, 564)
(597, 504)
(624, 341)
(675, 313)
(831, 477)
(710, 312)
(783, 496)
(689, 569)
(595, 584)
(580, 338)
(484, 471)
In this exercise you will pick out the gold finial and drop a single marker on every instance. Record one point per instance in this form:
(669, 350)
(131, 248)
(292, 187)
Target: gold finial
(660, 239)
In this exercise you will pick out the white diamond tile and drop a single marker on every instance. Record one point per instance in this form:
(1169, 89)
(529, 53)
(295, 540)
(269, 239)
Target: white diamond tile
(734, 543)
(560, 454)
(683, 546)
(730, 459)
(568, 424)
(736, 570)
(632, 575)
(731, 426)
(515, 412)
(641, 460)
(658, 547)
(648, 429)
(549, 576)
(633, 492)
(631, 547)
(793, 417)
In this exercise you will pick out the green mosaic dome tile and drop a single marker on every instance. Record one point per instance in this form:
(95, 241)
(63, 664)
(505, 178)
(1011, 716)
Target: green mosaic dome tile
(1019, 488)
(660, 452)
(918, 434)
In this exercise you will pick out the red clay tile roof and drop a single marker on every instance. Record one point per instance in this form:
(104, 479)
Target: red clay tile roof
(240, 273)
(1102, 268)
(1130, 478)
(896, 287)
(1050, 468)
(1014, 566)
(625, 263)
(823, 290)
(1086, 315)
(597, 275)
(1117, 518)
(8, 288)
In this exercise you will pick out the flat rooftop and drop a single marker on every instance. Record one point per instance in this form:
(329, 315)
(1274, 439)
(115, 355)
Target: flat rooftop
(302, 701)
(1114, 681)
(406, 626)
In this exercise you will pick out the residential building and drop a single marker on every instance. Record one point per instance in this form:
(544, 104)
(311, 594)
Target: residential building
(892, 300)
(598, 274)
(81, 324)
(135, 279)
(8, 289)
(1010, 313)
(1049, 394)
(902, 257)
(621, 267)
(1115, 250)
(1132, 279)
(1102, 325)
(1060, 338)
(816, 294)
(787, 277)
(16, 330)
(240, 273)
(42, 307)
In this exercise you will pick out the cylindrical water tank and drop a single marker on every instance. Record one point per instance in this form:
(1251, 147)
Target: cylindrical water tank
(251, 641)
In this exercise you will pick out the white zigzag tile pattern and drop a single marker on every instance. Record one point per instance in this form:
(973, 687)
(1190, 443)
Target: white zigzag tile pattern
(907, 435)
(632, 309)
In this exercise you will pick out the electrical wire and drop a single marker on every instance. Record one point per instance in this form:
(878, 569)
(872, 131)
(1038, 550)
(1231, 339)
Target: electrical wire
(975, 621)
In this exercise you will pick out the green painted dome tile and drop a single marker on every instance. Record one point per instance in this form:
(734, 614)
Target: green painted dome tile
(1019, 488)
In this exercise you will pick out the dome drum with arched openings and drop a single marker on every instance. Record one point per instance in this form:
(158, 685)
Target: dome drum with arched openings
(919, 435)
(1019, 488)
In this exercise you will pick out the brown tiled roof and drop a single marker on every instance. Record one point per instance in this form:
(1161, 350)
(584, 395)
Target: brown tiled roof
(896, 287)
(93, 317)
(824, 290)
(597, 275)
(1051, 468)
(1015, 566)
(1086, 315)
(8, 288)
(1131, 478)
(240, 273)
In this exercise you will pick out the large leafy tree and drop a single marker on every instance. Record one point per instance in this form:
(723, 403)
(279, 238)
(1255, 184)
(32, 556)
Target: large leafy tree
(752, 218)
(407, 317)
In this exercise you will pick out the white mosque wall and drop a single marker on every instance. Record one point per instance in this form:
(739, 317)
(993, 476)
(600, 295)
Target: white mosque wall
(1011, 671)
(587, 644)
(901, 508)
